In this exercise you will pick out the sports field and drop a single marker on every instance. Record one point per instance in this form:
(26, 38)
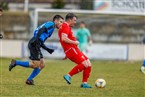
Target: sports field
(123, 80)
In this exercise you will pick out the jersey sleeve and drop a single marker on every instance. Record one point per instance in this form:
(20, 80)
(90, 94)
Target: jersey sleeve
(88, 32)
(48, 25)
(65, 29)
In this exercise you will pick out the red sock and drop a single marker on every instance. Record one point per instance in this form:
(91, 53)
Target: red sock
(78, 68)
(86, 74)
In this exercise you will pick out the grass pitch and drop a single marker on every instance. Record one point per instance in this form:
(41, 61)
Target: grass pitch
(123, 80)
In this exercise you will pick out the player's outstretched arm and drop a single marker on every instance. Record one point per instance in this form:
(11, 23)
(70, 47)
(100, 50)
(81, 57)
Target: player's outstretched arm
(67, 40)
(47, 49)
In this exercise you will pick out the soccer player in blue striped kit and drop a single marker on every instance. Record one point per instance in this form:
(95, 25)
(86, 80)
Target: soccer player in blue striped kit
(41, 34)
(143, 65)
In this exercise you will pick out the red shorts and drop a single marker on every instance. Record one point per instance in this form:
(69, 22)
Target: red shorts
(75, 55)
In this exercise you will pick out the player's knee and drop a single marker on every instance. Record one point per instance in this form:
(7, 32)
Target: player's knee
(42, 66)
(35, 64)
(90, 65)
(87, 63)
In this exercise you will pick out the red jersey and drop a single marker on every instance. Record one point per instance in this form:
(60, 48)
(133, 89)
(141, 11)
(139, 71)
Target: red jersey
(66, 29)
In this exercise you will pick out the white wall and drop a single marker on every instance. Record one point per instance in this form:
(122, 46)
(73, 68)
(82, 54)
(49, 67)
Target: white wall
(18, 48)
(136, 52)
(10, 48)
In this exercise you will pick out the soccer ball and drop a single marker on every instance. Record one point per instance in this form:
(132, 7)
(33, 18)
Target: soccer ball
(142, 69)
(100, 83)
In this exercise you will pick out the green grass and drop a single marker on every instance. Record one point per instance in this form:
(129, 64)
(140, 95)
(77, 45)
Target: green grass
(123, 80)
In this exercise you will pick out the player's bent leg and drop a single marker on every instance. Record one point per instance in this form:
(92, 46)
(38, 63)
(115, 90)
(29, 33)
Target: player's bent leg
(78, 68)
(35, 64)
(86, 74)
(17, 62)
(35, 72)
(42, 64)
(87, 71)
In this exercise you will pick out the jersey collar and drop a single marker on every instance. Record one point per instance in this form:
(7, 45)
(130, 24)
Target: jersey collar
(66, 23)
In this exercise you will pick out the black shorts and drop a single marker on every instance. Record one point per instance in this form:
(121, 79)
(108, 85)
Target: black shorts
(35, 52)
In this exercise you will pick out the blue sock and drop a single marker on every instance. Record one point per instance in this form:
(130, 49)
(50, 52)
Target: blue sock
(144, 63)
(22, 63)
(34, 73)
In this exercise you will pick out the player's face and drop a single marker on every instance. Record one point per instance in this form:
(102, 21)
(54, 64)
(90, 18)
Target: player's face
(73, 21)
(82, 25)
(59, 23)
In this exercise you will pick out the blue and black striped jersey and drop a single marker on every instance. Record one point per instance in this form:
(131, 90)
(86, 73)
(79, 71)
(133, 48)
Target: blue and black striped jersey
(47, 32)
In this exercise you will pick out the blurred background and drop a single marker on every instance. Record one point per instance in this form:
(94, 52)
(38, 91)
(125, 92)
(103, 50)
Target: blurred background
(117, 26)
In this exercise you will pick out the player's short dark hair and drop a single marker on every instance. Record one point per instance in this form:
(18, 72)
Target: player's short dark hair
(57, 17)
(82, 22)
(70, 16)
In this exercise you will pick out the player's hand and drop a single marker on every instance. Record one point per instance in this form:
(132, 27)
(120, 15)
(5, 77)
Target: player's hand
(50, 50)
(76, 43)
(90, 42)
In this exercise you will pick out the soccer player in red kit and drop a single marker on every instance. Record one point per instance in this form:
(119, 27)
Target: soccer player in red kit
(72, 52)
